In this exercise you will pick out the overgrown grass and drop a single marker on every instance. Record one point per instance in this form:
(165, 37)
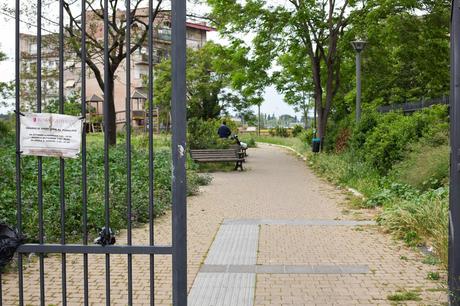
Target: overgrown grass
(425, 167)
(346, 170)
(421, 219)
(296, 143)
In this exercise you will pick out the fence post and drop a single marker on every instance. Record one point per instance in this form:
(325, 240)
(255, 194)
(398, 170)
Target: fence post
(454, 200)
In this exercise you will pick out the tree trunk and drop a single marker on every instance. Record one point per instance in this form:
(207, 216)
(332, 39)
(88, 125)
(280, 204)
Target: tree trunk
(111, 127)
(305, 117)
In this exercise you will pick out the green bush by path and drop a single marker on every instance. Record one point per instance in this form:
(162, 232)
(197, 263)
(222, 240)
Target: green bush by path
(425, 167)
(421, 219)
(202, 134)
(95, 183)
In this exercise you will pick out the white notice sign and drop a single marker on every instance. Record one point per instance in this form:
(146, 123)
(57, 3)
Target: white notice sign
(55, 135)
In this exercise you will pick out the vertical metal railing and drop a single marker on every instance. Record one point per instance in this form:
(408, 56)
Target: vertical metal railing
(107, 90)
(83, 155)
(151, 165)
(84, 185)
(61, 160)
(41, 232)
(179, 125)
(128, 149)
(454, 190)
(18, 146)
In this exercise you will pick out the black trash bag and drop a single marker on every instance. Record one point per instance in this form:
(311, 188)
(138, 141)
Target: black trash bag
(9, 242)
(105, 238)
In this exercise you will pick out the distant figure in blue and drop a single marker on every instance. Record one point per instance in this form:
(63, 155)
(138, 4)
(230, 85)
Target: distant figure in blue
(224, 131)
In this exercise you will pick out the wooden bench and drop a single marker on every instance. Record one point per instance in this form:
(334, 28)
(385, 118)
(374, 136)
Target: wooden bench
(239, 149)
(217, 156)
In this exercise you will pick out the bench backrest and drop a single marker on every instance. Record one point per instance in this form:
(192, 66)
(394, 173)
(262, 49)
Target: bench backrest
(214, 153)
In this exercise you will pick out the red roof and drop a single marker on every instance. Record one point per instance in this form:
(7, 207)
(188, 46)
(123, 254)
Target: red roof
(199, 26)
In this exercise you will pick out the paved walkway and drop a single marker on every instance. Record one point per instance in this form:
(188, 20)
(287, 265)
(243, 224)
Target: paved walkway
(273, 235)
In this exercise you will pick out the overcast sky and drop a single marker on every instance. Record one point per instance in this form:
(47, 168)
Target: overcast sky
(273, 102)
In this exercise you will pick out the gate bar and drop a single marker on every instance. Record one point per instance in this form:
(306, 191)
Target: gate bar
(1, 290)
(454, 190)
(39, 158)
(128, 147)
(179, 125)
(106, 146)
(84, 185)
(94, 249)
(61, 160)
(18, 147)
(151, 165)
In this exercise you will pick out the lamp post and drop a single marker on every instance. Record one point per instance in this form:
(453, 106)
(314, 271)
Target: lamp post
(454, 192)
(358, 45)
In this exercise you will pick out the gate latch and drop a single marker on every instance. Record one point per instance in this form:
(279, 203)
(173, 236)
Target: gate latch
(9, 242)
(105, 237)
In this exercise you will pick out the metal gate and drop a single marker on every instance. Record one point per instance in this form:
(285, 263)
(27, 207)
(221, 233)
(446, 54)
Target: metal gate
(178, 249)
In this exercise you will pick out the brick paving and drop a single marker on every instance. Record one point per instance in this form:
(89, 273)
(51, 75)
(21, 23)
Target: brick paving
(276, 186)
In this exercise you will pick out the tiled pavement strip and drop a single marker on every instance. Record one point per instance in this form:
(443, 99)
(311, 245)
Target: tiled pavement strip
(276, 186)
(228, 274)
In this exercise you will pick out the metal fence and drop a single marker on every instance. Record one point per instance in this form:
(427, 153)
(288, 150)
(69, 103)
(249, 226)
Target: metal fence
(411, 107)
(178, 248)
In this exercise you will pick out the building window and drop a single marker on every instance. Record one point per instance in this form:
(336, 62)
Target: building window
(33, 48)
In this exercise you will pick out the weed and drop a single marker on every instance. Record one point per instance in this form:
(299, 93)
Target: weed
(433, 276)
(404, 295)
(431, 260)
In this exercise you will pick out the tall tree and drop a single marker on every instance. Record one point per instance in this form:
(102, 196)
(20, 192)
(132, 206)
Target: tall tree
(407, 57)
(117, 34)
(6, 88)
(314, 26)
(294, 81)
(216, 82)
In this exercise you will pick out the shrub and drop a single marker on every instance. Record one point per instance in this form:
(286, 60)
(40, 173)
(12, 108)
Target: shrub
(420, 219)
(279, 131)
(95, 183)
(4, 129)
(203, 134)
(307, 136)
(297, 130)
(425, 167)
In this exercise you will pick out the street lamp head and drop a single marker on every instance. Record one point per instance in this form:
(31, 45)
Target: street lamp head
(358, 45)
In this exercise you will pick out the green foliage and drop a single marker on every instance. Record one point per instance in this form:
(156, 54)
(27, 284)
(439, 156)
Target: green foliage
(211, 71)
(384, 139)
(5, 129)
(72, 106)
(6, 88)
(95, 180)
(279, 131)
(395, 71)
(422, 219)
(425, 167)
(202, 134)
(251, 142)
(433, 276)
(296, 130)
(431, 260)
(404, 295)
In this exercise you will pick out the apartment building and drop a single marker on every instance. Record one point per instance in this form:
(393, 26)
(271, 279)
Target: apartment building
(196, 37)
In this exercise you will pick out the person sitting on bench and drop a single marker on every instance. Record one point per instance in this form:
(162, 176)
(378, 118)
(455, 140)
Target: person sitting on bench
(224, 131)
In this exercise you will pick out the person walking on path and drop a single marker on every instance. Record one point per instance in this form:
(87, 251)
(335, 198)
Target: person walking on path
(224, 131)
